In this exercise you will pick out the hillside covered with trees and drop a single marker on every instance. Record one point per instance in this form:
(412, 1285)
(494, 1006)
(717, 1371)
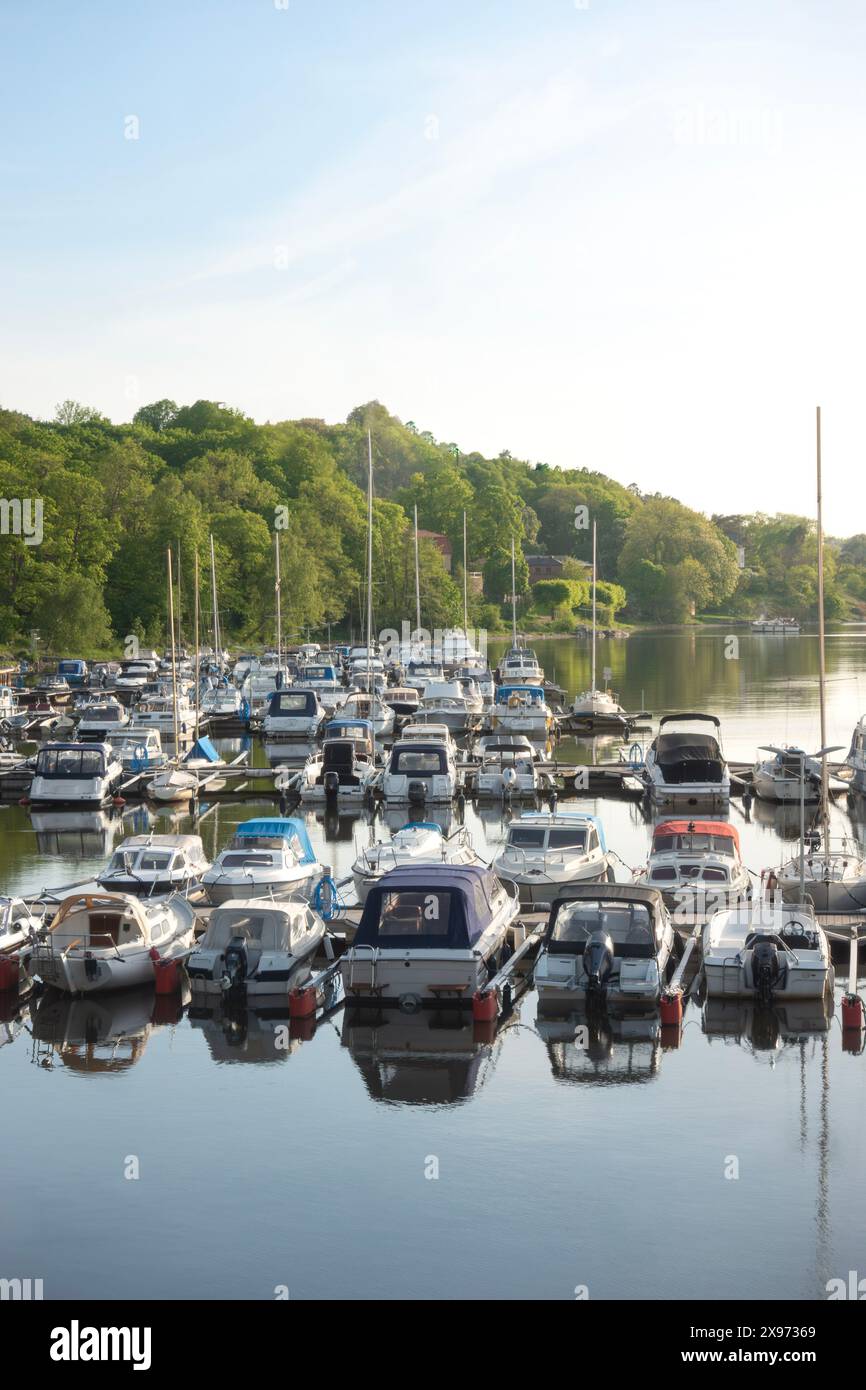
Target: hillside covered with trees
(115, 496)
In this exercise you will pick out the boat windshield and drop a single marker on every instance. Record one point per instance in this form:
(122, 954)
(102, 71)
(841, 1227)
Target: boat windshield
(694, 842)
(426, 913)
(527, 837)
(628, 925)
(244, 861)
(566, 838)
(70, 762)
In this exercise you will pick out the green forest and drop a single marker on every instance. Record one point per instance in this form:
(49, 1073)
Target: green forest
(116, 496)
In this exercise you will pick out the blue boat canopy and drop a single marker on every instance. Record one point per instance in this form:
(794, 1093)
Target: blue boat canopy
(503, 691)
(428, 907)
(294, 702)
(349, 728)
(203, 748)
(279, 828)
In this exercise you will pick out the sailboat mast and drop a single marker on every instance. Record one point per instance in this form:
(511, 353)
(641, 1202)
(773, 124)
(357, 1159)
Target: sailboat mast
(822, 670)
(197, 657)
(277, 593)
(370, 566)
(417, 577)
(216, 621)
(173, 653)
(593, 606)
(513, 599)
(465, 605)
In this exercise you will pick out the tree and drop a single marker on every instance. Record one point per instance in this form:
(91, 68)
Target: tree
(74, 413)
(157, 416)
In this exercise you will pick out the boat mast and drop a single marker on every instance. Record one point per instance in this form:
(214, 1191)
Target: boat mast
(197, 657)
(465, 609)
(179, 627)
(173, 655)
(513, 599)
(593, 606)
(417, 579)
(370, 567)
(277, 595)
(216, 622)
(822, 670)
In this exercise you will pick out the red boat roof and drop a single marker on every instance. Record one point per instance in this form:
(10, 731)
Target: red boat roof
(699, 827)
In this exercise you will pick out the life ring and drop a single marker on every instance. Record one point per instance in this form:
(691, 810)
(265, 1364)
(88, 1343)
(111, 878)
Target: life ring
(140, 759)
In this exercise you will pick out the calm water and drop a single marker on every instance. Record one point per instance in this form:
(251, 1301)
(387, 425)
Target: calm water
(558, 1165)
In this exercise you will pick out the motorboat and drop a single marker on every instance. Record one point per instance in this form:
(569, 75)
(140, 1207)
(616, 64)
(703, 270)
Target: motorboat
(362, 705)
(778, 626)
(519, 666)
(293, 713)
(269, 857)
(856, 759)
(155, 864)
(509, 770)
(17, 922)
(325, 681)
(769, 950)
(224, 703)
(420, 772)
(344, 770)
(183, 780)
(133, 676)
(256, 946)
(605, 943)
(258, 689)
(483, 679)
(830, 871)
(697, 867)
(427, 731)
(521, 709)
(545, 852)
(455, 703)
(54, 688)
(105, 941)
(77, 774)
(598, 706)
(423, 673)
(419, 842)
(101, 719)
(140, 751)
(779, 778)
(684, 767)
(430, 934)
(157, 711)
(73, 671)
(404, 700)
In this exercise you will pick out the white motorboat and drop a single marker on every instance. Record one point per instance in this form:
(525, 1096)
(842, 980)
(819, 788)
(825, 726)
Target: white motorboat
(362, 705)
(293, 713)
(546, 852)
(696, 866)
(325, 681)
(155, 864)
(76, 774)
(105, 941)
(830, 871)
(343, 770)
(519, 666)
(508, 770)
(598, 706)
(522, 709)
(483, 678)
(133, 676)
(223, 702)
(139, 751)
(856, 759)
(269, 857)
(607, 943)
(779, 778)
(156, 711)
(770, 950)
(100, 720)
(423, 673)
(420, 772)
(9, 707)
(404, 700)
(429, 934)
(17, 921)
(256, 946)
(457, 704)
(686, 768)
(181, 781)
(419, 842)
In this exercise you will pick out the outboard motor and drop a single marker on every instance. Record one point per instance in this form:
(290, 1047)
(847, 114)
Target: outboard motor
(331, 782)
(768, 969)
(235, 964)
(417, 792)
(597, 962)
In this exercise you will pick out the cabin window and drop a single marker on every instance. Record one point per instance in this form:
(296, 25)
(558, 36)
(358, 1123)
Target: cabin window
(246, 861)
(664, 875)
(150, 860)
(526, 837)
(292, 704)
(715, 875)
(415, 914)
(627, 924)
(566, 839)
(411, 762)
(69, 762)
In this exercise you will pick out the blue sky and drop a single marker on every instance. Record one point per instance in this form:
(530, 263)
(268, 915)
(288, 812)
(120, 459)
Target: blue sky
(625, 236)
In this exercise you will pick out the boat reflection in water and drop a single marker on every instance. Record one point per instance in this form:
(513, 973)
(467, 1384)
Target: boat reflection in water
(100, 1034)
(86, 834)
(782, 817)
(605, 1048)
(256, 1032)
(433, 1057)
(766, 1029)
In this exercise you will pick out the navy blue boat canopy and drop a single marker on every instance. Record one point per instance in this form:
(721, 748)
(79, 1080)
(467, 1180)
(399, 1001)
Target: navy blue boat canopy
(428, 907)
(293, 702)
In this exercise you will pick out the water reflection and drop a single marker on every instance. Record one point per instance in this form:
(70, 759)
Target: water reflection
(601, 1048)
(99, 1034)
(435, 1057)
(259, 1032)
(766, 1030)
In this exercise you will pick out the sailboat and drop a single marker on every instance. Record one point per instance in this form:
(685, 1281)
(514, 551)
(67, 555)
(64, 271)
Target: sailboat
(366, 703)
(831, 873)
(519, 666)
(594, 705)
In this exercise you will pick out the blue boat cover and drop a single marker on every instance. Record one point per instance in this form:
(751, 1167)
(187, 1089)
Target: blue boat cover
(293, 701)
(279, 827)
(349, 728)
(203, 748)
(428, 907)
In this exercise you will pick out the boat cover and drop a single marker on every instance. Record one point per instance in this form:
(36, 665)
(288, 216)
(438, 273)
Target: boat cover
(278, 828)
(615, 895)
(689, 757)
(428, 907)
